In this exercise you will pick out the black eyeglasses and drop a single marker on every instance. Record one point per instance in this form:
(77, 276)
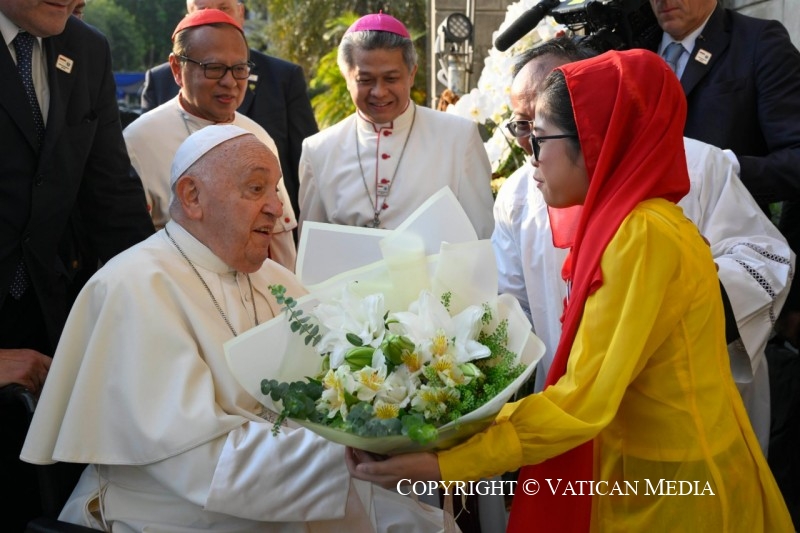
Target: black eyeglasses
(217, 71)
(536, 140)
(519, 128)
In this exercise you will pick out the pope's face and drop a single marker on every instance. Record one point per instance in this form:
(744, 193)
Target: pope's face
(39, 17)
(214, 100)
(679, 18)
(240, 203)
(380, 83)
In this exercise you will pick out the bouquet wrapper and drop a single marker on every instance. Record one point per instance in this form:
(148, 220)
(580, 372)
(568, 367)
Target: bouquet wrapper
(466, 269)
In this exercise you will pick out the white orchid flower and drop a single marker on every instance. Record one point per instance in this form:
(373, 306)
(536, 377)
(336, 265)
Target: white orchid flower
(350, 314)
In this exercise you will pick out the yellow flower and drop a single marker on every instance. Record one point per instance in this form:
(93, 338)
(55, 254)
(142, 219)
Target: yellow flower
(385, 410)
(369, 381)
(413, 361)
(443, 363)
(439, 346)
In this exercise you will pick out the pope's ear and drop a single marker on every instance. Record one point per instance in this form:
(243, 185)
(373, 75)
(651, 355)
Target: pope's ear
(187, 193)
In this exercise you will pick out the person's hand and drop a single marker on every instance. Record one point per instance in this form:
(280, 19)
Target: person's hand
(389, 472)
(26, 367)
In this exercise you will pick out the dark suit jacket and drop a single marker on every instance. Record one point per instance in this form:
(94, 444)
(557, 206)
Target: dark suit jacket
(82, 166)
(747, 99)
(276, 98)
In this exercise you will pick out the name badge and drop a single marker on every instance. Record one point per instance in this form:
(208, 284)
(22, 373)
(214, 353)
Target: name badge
(64, 63)
(703, 56)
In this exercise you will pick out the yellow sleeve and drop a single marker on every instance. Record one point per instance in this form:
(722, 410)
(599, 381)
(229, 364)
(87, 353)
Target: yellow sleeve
(623, 322)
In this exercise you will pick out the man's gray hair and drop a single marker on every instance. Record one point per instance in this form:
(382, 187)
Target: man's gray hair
(374, 40)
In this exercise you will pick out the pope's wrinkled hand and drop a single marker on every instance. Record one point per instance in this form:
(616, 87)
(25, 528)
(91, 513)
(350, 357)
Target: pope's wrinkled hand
(390, 471)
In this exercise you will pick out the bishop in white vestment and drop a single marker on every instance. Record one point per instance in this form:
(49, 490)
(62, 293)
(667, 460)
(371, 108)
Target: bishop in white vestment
(378, 165)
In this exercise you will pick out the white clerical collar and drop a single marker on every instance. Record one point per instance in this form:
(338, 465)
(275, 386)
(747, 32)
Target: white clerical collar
(193, 122)
(197, 252)
(402, 122)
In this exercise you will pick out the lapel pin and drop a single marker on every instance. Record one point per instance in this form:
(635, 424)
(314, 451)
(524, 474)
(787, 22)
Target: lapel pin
(702, 56)
(64, 63)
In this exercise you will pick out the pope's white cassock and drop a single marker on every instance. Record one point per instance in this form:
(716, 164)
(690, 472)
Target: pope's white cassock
(152, 140)
(356, 171)
(140, 389)
(754, 261)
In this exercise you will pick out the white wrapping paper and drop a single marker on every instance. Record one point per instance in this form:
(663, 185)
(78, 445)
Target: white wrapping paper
(466, 269)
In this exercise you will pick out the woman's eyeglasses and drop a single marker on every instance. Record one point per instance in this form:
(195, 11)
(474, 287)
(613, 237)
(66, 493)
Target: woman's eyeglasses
(536, 140)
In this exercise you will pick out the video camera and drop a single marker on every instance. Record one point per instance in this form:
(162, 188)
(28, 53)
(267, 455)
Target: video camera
(610, 24)
(601, 24)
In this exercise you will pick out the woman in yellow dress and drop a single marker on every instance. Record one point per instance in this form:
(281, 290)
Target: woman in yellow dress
(641, 427)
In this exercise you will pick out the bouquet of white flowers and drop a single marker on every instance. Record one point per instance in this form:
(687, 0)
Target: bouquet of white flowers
(362, 364)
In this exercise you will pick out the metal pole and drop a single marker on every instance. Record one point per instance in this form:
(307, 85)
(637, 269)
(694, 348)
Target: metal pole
(432, 53)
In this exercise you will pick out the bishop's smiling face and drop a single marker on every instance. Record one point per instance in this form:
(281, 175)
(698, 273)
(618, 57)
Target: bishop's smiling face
(380, 83)
(214, 100)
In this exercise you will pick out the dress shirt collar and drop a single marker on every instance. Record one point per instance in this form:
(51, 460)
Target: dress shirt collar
(688, 42)
(10, 31)
(402, 122)
(197, 252)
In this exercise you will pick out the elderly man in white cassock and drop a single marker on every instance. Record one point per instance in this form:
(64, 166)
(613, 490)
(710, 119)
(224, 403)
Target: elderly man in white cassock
(140, 390)
(377, 166)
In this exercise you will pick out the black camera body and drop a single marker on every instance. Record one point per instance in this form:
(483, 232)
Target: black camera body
(610, 24)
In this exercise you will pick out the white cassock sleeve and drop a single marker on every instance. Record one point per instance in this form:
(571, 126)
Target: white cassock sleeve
(755, 261)
(474, 188)
(292, 477)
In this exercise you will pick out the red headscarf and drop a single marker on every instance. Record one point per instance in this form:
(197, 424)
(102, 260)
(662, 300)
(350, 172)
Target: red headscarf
(630, 111)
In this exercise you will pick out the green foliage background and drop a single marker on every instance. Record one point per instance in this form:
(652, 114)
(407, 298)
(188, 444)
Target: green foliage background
(306, 32)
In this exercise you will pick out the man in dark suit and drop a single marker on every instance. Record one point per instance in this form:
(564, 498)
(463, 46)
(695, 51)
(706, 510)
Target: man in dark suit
(62, 153)
(741, 76)
(276, 98)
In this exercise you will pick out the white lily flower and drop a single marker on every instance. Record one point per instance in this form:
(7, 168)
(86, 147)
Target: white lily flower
(398, 388)
(350, 314)
(429, 325)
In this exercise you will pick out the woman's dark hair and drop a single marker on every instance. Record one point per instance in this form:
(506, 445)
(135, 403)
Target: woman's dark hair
(555, 106)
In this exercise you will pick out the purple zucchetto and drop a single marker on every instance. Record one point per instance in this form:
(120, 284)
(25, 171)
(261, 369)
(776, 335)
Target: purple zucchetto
(379, 22)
